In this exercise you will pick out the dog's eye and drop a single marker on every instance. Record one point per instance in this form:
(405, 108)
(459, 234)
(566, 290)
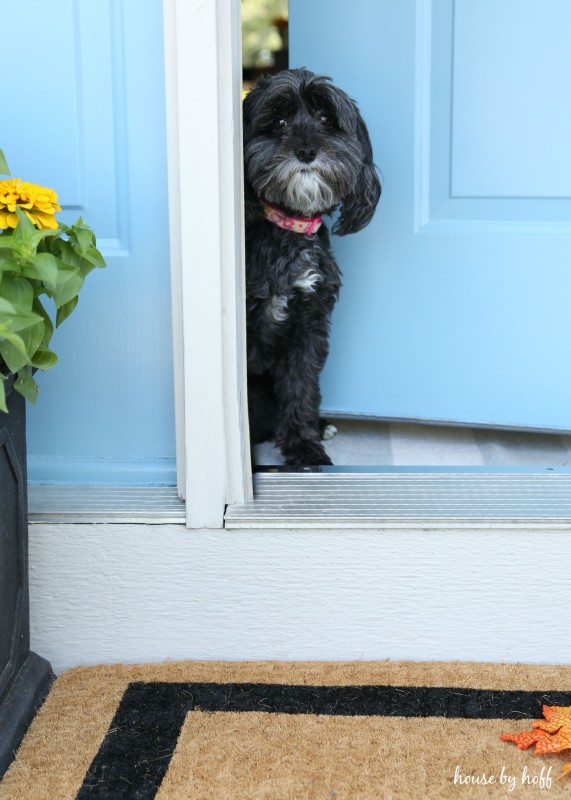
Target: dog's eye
(281, 122)
(325, 119)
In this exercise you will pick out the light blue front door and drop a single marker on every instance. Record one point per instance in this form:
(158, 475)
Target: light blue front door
(83, 112)
(456, 299)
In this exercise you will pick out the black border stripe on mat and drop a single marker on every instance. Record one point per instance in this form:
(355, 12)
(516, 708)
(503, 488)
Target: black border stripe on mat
(137, 749)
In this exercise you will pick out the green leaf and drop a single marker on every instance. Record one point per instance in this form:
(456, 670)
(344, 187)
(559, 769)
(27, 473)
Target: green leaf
(44, 358)
(6, 307)
(3, 406)
(32, 338)
(64, 250)
(94, 257)
(43, 267)
(24, 233)
(13, 351)
(3, 165)
(48, 324)
(69, 283)
(84, 238)
(14, 339)
(7, 242)
(10, 264)
(64, 311)
(17, 320)
(45, 233)
(26, 385)
(17, 291)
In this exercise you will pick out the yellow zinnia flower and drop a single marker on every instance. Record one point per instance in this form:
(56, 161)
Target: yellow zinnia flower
(39, 204)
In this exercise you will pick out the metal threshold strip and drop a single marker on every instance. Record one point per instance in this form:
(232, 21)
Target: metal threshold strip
(407, 497)
(106, 504)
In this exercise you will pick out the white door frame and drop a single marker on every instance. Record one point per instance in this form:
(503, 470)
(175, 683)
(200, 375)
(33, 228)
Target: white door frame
(203, 78)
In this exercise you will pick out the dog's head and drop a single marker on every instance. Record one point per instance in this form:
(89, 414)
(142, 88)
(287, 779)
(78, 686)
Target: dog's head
(307, 150)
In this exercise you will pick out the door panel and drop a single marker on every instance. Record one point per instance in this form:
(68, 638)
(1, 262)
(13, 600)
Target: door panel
(454, 304)
(87, 117)
(508, 105)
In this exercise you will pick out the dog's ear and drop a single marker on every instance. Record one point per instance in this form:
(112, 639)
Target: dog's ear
(252, 206)
(250, 105)
(359, 206)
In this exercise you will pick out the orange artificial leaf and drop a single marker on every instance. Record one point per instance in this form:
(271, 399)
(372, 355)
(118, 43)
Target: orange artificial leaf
(525, 739)
(555, 718)
(555, 742)
(550, 735)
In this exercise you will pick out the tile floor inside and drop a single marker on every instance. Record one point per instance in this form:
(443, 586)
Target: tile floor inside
(402, 444)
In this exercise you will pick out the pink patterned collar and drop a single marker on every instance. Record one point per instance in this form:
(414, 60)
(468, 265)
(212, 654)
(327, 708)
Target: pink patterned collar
(306, 225)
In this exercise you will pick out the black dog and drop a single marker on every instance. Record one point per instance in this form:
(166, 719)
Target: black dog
(306, 151)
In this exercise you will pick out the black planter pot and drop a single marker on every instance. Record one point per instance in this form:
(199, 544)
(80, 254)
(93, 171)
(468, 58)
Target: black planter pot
(24, 677)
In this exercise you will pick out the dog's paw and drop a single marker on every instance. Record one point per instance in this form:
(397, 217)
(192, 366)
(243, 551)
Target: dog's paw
(307, 454)
(328, 432)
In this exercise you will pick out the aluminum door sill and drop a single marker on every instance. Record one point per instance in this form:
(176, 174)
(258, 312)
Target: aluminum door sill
(149, 505)
(428, 498)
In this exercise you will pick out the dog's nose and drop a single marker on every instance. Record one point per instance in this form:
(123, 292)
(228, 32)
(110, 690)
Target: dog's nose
(306, 154)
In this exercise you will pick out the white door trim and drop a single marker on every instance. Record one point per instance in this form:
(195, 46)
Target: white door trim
(203, 107)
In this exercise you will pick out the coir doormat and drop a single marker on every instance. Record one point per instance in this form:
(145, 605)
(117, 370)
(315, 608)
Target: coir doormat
(349, 731)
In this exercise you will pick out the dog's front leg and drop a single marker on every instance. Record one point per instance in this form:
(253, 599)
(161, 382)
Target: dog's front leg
(298, 398)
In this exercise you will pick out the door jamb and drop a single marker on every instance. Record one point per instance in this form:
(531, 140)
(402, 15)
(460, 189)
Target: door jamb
(203, 81)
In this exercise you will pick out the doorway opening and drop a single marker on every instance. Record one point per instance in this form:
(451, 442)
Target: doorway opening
(402, 432)
(265, 41)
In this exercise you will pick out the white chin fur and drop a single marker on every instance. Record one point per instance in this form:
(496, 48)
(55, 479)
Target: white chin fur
(305, 190)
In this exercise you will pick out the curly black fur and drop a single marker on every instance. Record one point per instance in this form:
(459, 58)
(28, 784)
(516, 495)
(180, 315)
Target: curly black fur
(306, 150)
